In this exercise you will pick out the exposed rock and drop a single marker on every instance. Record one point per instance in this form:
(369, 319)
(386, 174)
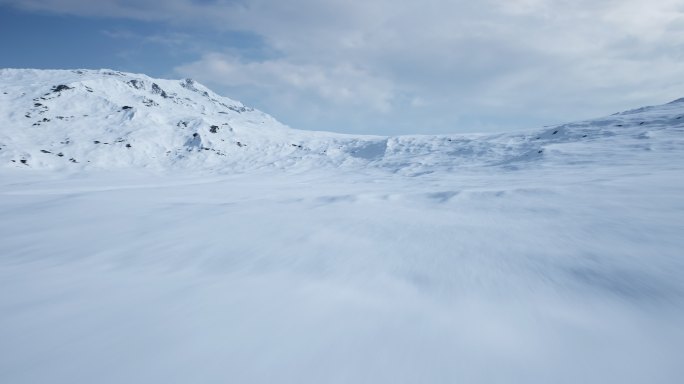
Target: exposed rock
(149, 102)
(137, 84)
(156, 89)
(60, 88)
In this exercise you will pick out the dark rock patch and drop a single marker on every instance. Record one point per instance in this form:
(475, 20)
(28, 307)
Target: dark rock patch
(45, 151)
(137, 84)
(188, 84)
(214, 129)
(149, 102)
(60, 88)
(239, 109)
(156, 89)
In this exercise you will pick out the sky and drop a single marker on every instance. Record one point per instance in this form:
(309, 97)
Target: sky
(375, 66)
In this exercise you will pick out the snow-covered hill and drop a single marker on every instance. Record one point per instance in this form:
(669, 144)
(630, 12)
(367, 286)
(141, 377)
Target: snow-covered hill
(106, 119)
(152, 231)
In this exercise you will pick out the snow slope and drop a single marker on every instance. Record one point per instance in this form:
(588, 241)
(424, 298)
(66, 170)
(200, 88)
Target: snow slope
(553, 255)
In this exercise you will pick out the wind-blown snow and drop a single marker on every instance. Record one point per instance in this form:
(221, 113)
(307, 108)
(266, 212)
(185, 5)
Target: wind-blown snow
(222, 246)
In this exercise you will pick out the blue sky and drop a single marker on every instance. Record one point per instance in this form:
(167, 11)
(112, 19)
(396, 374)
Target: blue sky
(379, 66)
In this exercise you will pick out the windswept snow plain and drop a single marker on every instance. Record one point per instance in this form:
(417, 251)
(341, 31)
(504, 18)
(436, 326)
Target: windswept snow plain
(232, 249)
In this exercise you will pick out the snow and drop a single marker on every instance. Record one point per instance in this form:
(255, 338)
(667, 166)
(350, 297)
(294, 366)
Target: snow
(553, 255)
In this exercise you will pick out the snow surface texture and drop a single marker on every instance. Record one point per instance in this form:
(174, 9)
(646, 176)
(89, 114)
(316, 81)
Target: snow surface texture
(193, 239)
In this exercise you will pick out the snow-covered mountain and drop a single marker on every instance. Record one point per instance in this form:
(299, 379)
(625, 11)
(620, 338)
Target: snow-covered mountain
(108, 119)
(77, 119)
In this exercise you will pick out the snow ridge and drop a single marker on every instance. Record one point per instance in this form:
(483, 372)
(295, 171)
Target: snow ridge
(104, 119)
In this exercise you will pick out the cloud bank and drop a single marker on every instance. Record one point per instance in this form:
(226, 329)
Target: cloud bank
(427, 66)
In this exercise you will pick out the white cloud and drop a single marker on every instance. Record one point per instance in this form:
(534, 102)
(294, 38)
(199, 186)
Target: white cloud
(400, 64)
(342, 84)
